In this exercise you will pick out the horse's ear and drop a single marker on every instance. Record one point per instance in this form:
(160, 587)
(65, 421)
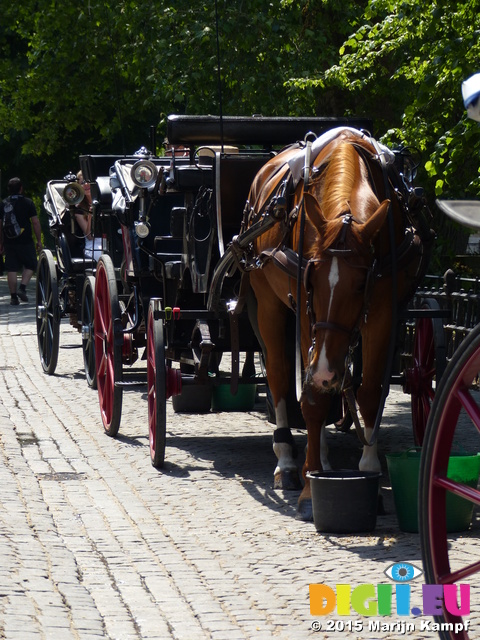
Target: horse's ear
(314, 211)
(373, 225)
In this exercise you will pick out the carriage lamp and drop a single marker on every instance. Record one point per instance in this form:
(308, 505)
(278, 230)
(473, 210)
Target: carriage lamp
(73, 193)
(144, 173)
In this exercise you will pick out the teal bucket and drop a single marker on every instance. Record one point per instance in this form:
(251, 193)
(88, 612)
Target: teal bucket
(404, 469)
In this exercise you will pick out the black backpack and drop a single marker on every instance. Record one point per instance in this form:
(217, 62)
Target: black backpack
(11, 228)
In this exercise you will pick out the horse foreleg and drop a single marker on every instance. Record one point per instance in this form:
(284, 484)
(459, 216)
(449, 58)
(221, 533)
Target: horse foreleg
(271, 319)
(316, 458)
(375, 339)
(286, 474)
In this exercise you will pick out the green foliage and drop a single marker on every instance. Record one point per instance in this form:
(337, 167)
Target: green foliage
(404, 65)
(93, 77)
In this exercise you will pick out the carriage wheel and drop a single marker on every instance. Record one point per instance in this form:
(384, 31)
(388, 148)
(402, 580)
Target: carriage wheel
(163, 382)
(88, 336)
(453, 424)
(429, 360)
(48, 312)
(108, 350)
(157, 386)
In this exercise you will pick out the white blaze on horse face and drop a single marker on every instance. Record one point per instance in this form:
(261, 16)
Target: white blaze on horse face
(322, 374)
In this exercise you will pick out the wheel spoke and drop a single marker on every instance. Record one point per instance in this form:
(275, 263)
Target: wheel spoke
(470, 405)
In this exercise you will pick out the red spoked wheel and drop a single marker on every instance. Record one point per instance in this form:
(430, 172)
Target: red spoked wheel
(108, 346)
(88, 335)
(453, 426)
(429, 361)
(48, 312)
(162, 383)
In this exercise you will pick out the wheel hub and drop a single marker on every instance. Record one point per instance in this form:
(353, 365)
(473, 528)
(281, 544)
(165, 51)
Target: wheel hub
(87, 331)
(173, 382)
(416, 381)
(41, 312)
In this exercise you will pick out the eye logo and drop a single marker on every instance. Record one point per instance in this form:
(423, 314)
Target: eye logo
(402, 572)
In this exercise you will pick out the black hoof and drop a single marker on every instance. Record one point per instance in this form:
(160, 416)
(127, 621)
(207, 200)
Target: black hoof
(289, 480)
(305, 511)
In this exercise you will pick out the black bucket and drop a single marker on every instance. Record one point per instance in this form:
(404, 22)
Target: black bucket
(344, 501)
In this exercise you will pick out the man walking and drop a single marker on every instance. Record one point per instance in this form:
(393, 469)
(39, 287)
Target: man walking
(17, 216)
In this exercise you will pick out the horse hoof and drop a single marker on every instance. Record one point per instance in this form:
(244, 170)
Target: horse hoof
(289, 480)
(305, 511)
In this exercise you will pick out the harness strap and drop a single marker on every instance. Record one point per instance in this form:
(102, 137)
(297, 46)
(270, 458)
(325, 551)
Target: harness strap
(286, 259)
(350, 398)
(278, 180)
(330, 326)
(298, 327)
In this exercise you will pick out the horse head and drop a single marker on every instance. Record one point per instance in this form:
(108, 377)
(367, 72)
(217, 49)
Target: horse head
(339, 278)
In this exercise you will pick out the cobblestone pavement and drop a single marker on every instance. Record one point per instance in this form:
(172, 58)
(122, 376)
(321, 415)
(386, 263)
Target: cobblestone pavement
(96, 543)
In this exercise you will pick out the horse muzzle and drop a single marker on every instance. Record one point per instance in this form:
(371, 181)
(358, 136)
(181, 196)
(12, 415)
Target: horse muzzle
(321, 376)
(324, 380)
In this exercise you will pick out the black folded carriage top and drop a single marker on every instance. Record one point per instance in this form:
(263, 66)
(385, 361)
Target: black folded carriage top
(254, 130)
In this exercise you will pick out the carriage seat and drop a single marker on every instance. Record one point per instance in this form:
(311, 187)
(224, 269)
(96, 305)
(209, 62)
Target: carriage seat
(191, 177)
(71, 254)
(167, 241)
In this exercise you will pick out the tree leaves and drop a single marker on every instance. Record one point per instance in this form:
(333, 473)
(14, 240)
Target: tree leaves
(95, 76)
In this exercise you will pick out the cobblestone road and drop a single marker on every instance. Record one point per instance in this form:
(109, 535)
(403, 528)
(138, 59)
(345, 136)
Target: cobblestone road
(95, 543)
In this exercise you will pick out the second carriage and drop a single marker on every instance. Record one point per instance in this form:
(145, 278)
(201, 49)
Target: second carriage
(65, 280)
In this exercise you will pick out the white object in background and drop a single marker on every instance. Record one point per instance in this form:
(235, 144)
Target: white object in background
(471, 95)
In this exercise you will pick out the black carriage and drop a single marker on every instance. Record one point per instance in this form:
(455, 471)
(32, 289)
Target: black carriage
(65, 281)
(180, 294)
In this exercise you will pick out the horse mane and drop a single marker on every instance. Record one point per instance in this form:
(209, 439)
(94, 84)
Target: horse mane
(339, 181)
(343, 172)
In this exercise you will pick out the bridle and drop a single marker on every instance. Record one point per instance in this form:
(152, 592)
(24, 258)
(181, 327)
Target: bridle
(372, 273)
(346, 385)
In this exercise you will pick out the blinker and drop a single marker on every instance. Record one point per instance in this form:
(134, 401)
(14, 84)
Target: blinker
(279, 207)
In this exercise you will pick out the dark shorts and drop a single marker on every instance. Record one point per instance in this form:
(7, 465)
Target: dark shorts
(20, 255)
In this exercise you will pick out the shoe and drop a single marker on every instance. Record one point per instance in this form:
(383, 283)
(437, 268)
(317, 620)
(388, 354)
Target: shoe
(22, 295)
(14, 301)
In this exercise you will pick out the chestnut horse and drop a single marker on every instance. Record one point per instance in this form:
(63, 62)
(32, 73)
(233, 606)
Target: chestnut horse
(347, 288)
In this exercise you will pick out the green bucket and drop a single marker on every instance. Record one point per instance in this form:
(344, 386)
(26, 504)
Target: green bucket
(404, 468)
(243, 400)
